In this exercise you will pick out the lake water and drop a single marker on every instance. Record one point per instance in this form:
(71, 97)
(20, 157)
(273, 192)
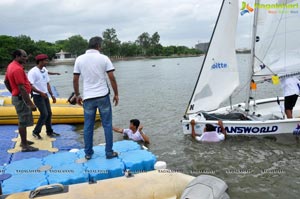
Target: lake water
(157, 93)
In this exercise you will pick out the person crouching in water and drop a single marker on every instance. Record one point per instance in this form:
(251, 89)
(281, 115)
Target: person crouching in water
(209, 133)
(135, 131)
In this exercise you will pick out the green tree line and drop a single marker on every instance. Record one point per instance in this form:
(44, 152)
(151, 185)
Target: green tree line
(144, 45)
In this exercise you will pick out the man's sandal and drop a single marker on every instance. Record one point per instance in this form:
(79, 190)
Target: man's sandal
(29, 149)
(114, 155)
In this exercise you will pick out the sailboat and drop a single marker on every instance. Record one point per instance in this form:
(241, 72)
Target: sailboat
(275, 55)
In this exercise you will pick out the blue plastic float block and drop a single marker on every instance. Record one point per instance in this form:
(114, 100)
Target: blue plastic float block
(5, 157)
(7, 132)
(125, 145)
(2, 86)
(5, 93)
(25, 176)
(66, 144)
(67, 174)
(67, 135)
(6, 144)
(24, 182)
(36, 154)
(24, 166)
(60, 128)
(138, 161)
(99, 151)
(120, 147)
(59, 159)
(54, 91)
(101, 168)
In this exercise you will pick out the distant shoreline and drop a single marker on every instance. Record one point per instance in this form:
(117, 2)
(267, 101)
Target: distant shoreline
(119, 58)
(113, 59)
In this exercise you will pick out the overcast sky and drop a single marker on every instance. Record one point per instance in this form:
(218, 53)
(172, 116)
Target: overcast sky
(178, 22)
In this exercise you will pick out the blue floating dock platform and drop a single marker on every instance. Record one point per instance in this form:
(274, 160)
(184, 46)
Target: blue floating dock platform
(65, 169)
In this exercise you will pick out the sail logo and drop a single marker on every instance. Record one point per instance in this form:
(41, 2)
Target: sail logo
(219, 65)
(246, 8)
(249, 130)
(275, 8)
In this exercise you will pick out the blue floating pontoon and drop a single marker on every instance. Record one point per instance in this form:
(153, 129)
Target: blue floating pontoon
(64, 169)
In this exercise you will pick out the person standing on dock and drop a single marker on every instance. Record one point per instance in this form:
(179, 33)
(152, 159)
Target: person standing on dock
(93, 67)
(291, 89)
(17, 83)
(39, 79)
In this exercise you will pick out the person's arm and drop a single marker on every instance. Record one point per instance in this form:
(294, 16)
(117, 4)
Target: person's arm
(193, 128)
(44, 95)
(220, 123)
(118, 130)
(76, 88)
(51, 73)
(26, 97)
(114, 86)
(145, 137)
(7, 84)
(51, 93)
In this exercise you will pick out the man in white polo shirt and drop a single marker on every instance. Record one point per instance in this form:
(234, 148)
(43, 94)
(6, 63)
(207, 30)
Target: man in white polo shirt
(209, 133)
(39, 80)
(134, 132)
(93, 67)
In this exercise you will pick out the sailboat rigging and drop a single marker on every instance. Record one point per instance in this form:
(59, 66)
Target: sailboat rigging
(275, 55)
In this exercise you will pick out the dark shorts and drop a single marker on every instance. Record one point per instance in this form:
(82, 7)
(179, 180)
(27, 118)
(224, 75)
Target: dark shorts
(23, 111)
(290, 101)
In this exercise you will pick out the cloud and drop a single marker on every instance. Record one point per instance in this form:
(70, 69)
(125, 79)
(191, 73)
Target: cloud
(179, 22)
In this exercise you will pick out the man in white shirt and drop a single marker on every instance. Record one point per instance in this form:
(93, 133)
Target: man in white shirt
(39, 80)
(93, 67)
(210, 134)
(291, 87)
(134, 132)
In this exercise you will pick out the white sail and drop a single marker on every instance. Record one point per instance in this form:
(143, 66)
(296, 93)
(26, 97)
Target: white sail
(278, 29)
(219, 67)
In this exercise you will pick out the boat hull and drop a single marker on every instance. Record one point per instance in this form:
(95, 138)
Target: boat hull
(162, 184)
(145, 185)
(62, 112)
(264, 118)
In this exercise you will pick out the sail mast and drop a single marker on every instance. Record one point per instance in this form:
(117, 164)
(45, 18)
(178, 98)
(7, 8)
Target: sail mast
(187, 108)
(251, 68)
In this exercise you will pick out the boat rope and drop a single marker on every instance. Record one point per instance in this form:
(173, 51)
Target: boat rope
(264, 65)
(268, 79)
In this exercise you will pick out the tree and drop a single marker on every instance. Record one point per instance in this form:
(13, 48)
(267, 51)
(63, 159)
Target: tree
(76, 45)
(155, 47)
(144, 41)
(8, 45)
(61, 45)
(26, 43)
(46, 48)
(169, 50)
(129, 49)
(155, 39)
(111, 43)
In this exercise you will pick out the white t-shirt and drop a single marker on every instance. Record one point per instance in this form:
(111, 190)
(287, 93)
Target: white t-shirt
(93, 66)
(133, 136)
(211, 136)
(39, 79)
(290, 86)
